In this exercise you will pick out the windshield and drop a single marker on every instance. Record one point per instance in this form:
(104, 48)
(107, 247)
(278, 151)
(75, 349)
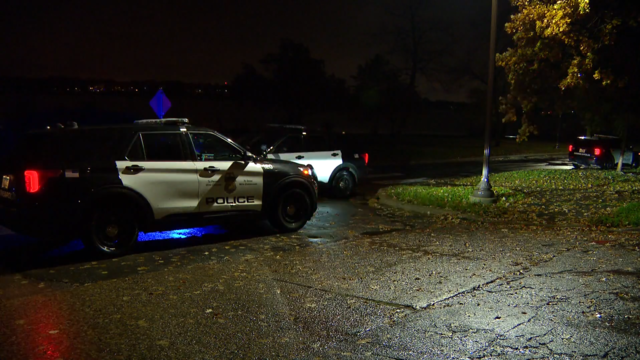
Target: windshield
(260, 143)
(237, 144)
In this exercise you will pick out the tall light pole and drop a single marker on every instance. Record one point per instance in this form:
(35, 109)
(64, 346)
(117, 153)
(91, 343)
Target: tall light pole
(483, 192)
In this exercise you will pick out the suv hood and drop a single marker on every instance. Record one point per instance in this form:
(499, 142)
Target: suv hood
(280, 165)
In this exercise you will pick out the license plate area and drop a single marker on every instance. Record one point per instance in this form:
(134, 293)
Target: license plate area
(583, 150)
(5, 182)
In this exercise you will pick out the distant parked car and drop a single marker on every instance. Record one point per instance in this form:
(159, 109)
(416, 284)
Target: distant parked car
(338, 166)
(602, 151)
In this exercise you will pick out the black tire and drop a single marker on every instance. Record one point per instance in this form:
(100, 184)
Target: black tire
(111, 230)
(577, 166)
(343, 185)
(291, 211)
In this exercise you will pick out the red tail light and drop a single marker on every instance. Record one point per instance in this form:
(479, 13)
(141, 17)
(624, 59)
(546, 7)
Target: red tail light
(365, 156)
(570, 148)
(34, 179)
(597, 152)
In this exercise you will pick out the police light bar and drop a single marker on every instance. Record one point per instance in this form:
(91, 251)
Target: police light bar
(287, 126)
(167, 121)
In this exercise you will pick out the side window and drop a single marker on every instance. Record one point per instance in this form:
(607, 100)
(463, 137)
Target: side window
(163, 146)
(136, 152)
(290, 144)
(210, 147)
(315, 143)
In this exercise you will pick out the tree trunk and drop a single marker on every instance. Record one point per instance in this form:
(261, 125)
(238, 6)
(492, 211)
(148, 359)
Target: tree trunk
(558, 134)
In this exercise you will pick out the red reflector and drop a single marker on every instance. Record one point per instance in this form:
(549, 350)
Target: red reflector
(365, 156)
(597, 152)
(32, 181)
(570, 147)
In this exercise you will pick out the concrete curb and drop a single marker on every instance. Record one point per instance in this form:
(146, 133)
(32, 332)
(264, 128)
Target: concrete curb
(494, 158)
(479, 159)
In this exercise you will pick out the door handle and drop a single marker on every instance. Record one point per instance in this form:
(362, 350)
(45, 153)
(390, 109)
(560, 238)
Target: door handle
(211, 169)
(335, 154)
(299, 157)
(135, 168)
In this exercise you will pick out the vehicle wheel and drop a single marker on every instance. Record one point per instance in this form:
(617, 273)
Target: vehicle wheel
(577, 166)
(291, 211)
(343, 184)
(112, 231)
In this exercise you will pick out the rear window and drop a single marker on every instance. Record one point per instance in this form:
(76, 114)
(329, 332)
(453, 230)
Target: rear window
(315, 143)
(70, 147)
(599, 142)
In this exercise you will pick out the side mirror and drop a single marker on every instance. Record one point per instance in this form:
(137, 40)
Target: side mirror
(247, 157)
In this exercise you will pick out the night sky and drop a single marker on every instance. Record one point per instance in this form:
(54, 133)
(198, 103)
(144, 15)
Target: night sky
(205, 41)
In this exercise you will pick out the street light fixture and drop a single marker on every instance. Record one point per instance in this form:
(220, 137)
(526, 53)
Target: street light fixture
(483, 193)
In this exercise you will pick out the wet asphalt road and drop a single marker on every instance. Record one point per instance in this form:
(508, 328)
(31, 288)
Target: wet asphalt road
(357, 282)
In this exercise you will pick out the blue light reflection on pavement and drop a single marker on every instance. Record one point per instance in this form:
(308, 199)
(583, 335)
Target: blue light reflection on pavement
(77, 245)
(181, 233)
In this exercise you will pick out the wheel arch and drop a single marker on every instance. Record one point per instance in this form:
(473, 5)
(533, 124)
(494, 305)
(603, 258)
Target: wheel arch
(345, 166)
(120, 193)
(292, 182)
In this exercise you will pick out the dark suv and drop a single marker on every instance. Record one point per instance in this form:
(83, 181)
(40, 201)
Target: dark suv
(600, 151)
(105, 184)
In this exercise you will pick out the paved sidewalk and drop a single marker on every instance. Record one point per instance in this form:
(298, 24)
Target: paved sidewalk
(394, 285)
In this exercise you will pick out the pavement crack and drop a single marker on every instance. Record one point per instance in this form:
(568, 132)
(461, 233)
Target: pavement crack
(606, 353)
(554, 273)
(467, 291)
(391, 357)
(382, 302)
(510, 289)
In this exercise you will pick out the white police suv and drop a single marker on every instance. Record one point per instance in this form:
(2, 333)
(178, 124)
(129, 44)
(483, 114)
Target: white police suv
(105, 184)
(338, 167)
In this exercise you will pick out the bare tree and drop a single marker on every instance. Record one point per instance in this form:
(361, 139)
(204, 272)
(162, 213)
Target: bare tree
(417, 38)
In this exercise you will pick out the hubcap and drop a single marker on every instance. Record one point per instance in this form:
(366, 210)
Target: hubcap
(112, 230)
(293, 208)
